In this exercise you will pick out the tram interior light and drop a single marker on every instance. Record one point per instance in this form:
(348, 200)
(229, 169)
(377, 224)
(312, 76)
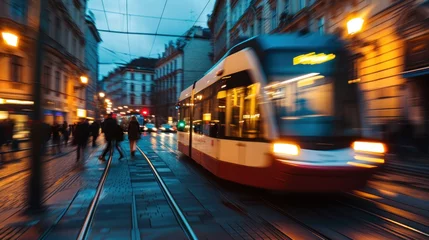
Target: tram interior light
(286, 148)
(371, 147)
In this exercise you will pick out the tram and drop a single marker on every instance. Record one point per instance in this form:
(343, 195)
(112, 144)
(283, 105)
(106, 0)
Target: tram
(279, 112)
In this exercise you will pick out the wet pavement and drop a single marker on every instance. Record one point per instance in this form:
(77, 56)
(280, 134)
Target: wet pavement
(394, 204)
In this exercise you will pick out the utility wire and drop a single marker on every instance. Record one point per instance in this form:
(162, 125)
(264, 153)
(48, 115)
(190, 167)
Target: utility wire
(148, 34)
(159, 23)
(105, 14)
(128, 35)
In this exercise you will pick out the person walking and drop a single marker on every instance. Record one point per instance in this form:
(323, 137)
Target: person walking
(56, 139)
(133, 134)
(119, 137)
(110, 129)
(81, 137)
(65, 131)
(95, 131)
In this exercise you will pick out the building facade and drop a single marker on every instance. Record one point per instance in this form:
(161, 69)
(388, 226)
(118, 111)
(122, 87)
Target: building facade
(64, 41)
(92, 38)
(130, 88)
(389, 49)
(182, 63)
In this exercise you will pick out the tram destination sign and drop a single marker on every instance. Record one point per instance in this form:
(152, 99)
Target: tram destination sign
(313, 58)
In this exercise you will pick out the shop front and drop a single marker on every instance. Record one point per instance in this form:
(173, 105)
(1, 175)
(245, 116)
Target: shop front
(414, 28)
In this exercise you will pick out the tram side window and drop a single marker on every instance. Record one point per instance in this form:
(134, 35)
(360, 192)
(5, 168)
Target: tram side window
(184, 115)
(238, 107)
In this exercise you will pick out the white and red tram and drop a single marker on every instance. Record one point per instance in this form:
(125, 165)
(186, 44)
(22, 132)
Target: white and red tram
(279, 112)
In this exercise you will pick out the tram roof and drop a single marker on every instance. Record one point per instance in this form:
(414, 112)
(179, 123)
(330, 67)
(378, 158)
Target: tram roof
(281, 41)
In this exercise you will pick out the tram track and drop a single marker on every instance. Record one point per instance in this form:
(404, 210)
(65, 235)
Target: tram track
(230, 200)
(396, 223)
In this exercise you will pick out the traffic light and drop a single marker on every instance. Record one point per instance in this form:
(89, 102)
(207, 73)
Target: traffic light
(145, 112)
(181, 125)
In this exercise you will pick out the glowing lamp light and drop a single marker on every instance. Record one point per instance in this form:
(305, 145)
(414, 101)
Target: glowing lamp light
(144, 112)
(107, 100)
(372, 147)
(286, 148)
(354, 25)
(181, 124)
(313, 58)
(101, 94)
(10, 39)
(84, 80)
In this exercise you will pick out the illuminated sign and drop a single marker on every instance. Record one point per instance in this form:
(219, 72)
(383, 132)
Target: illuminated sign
(81, 113)
(313, 58)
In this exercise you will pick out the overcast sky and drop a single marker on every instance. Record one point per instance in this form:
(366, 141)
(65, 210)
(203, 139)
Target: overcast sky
(143, 16)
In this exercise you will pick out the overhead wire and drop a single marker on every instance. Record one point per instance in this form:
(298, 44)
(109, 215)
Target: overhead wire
(105, 14)
(157, 28)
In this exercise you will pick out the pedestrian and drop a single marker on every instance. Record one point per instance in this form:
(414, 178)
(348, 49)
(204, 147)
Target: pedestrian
(65, 131)
(119, 137)
(95, 131)
(133, 134)
(81, 137)
(110, 129)
(56, 138)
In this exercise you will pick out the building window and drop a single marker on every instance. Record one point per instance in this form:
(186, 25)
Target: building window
(287, 6)
(175, 63)
(16, 68)
(152, 77)
(144, 88)
(58, 33)
(302, 4)
(261, 25)
(143, 99)
(65, 85)
(321, 25)
(132, 99)
(47, 79)
(57, 83)
(132, 87)
(132, 75)
(273, 18)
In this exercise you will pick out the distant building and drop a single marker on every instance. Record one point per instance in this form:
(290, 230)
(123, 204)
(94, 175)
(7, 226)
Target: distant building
(92, 38)
(181, 63)
(130, 87)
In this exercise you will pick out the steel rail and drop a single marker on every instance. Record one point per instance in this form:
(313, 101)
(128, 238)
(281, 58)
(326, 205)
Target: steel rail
(176, 210)
(83, 234)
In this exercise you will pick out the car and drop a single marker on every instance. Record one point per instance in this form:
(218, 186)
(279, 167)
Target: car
(149, 127)
(167, 128)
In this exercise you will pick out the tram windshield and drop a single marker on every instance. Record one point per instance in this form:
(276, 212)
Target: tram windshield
(311, 96)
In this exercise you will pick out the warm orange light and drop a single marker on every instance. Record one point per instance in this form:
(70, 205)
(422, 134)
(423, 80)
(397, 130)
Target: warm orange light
(372, 147)
(83, 79)
(286, 148)
(354, 25)
(369, 159)
(10, 39)
(101, 94)
(360, 165)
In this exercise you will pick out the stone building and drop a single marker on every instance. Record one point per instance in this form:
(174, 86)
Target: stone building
(92, 38)
(182, 63)
(63, 96)
(130, 87)
(388, 51)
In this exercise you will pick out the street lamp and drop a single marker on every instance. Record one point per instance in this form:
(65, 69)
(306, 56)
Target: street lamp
(107, 100)
(84, 80)
(10, 39)
(101, 94)
(354, 25)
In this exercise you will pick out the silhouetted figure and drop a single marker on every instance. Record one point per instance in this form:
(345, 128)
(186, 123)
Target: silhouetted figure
(65, 131)
(110, 129)
(95, 131)
(133, 134)
(56, 138)
(81, 136)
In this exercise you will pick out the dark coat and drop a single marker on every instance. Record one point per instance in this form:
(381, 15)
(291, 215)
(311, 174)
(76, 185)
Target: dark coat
(110, 129)
(95, 129)
(133, 130)
(82, 133)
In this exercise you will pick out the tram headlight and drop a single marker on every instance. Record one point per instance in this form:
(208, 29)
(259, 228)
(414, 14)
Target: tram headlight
(371, 147)
(286, 148)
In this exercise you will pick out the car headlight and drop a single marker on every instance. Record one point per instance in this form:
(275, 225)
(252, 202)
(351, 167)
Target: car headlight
(154, 129)
(286, 148)
(371, 147)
